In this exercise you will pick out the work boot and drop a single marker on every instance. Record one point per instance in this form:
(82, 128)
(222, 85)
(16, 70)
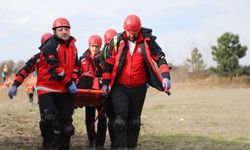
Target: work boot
(56, 138)
(63, 142)
(91, 145)
(98, 147)
(112, 148)
(121, 148)
(46, 145)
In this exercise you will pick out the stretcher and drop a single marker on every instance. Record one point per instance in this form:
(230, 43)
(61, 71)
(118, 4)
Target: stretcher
(88, 97)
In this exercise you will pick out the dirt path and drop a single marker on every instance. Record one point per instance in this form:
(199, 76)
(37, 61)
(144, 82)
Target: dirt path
(197, 118)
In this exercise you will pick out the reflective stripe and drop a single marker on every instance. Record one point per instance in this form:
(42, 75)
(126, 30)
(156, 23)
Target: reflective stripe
(46, 89)
(105, 52)
(87, 74)
(115, 43)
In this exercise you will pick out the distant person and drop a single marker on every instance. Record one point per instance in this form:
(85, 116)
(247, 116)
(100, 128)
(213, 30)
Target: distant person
(128, 68)
(5, 73)
(30, 89)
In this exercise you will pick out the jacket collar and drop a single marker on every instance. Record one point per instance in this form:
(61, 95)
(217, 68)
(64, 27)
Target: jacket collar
(87, 53)
(139, 39)
(71, 40)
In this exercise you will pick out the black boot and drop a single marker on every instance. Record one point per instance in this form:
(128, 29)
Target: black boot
(46, 144)
(64, 142)
(91, 144)
(91, 138)
(98, 147)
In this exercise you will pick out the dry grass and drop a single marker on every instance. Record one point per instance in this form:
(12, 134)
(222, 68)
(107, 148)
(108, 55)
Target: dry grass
(194, 117)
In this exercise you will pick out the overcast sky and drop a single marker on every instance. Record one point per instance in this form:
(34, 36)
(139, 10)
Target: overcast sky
(180, 25)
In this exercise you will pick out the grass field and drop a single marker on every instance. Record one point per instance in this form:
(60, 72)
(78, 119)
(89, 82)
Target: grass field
(192, 118)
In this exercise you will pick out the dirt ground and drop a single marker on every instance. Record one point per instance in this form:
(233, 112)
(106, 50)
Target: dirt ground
(193, 118)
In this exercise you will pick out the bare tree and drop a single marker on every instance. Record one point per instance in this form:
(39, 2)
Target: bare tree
(195, 63)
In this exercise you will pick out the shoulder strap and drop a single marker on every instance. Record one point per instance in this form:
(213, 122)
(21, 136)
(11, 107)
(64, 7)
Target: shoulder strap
(105, 52)
(116, 42)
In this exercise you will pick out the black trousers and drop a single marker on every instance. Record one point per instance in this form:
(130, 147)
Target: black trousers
(127, 105)
(98, 137)
(31, 95)
(54, 105)
(111, 117)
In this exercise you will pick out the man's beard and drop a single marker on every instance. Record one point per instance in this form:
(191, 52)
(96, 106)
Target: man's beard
(65, 37)
(132, 38)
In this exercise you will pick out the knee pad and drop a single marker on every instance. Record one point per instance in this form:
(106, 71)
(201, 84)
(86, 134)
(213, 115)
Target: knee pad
(47, 118)
(111, 122)
(134, 123)
(46, 123)
(103, 118)
(68, 130)
(119, 123)
(103, 115)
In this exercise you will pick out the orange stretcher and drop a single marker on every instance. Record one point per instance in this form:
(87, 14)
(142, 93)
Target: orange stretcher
(88, 97)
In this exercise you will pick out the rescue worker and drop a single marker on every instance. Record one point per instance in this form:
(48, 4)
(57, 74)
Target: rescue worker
(108, 35)
(30, 66)
(91, 72)
(58, 70)
(30, 89)
(128, 68)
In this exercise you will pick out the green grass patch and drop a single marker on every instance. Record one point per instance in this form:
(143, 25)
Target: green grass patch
(160, 141)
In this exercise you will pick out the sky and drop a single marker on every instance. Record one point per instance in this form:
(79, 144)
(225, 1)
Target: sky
(180, 25)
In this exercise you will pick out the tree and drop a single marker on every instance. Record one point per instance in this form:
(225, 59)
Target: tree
(227, 54)
(19, 65)
(195, 63)
(246, 70)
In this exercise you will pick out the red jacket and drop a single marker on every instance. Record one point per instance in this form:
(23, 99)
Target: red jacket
(91, 66)
(151, 52)
(133, 73)
(58, 66)
(30, 66)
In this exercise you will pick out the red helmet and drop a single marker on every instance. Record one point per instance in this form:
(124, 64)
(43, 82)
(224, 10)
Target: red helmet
(95, 40)
(132, 24)
(60, 22)
(45, 37)
(108, 35)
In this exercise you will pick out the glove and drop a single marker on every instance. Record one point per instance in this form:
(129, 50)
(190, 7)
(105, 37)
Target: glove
(12, 92)
(72, 88)
(105, 89)
(166, 84)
